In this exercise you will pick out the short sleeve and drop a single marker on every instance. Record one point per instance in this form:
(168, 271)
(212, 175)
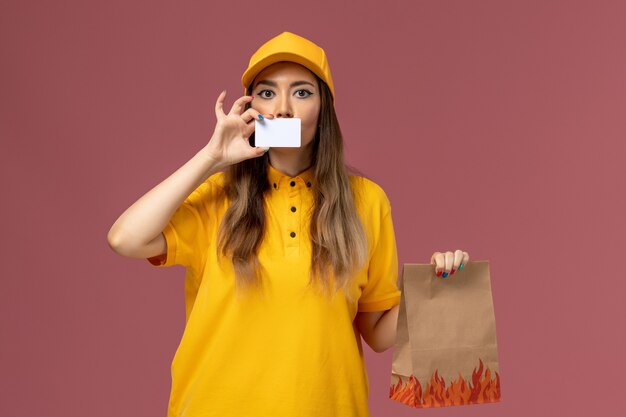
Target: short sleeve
(381, 292)
(186, 232)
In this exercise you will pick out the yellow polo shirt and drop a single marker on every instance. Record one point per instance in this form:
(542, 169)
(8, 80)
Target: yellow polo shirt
(289, 352)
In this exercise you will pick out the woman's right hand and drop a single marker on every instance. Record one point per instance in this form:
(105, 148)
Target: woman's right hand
(229, 143)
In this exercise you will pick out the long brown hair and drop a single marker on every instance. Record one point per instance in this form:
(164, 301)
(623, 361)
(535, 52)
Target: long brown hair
(338, 241)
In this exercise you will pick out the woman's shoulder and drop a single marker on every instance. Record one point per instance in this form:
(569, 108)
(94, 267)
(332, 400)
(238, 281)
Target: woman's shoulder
(211, 190)
(369, 194)
(216, 180)
(368, 186)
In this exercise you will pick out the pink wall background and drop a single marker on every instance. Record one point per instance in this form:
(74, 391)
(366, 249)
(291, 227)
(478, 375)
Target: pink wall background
(494, 127)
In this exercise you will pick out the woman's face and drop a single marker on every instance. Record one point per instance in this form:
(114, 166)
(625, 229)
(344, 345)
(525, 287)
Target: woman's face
(287, 89)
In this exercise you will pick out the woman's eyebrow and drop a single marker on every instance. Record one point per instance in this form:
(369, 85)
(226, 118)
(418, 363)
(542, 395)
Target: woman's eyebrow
(266, 82)
(293, 84)
(298, 83)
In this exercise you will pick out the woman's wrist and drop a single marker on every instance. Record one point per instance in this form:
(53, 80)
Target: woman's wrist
(210, 162)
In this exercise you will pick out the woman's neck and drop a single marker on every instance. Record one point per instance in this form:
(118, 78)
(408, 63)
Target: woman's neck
(290, 161)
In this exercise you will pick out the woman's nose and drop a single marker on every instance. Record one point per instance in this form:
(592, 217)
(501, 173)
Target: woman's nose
(283, 108)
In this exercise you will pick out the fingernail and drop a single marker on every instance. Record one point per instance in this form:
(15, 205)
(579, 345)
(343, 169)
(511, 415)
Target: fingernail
(251, 97)
(461, 266)
(439, 273)
(267, 150)
(445, 274)
(260, 117)
(452, 272)
(271, 114)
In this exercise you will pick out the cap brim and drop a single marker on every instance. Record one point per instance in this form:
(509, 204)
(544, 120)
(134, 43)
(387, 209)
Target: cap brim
(253, 71)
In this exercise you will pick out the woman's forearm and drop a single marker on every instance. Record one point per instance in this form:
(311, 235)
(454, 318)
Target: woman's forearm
(385, 329)
(147, 217)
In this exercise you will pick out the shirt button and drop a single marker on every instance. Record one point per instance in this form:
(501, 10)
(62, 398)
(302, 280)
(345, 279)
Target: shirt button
(292, 234)
(293, 209)
(292, 183)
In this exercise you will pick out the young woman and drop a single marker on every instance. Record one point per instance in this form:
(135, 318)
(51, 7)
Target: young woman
(290, 260)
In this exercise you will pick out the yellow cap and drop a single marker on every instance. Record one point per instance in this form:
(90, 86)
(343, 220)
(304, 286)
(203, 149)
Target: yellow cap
(289, 47)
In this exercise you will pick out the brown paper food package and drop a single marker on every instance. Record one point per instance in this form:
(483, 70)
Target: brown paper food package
(446, 351)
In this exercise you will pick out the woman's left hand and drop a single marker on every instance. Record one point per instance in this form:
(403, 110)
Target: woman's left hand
(447, 263)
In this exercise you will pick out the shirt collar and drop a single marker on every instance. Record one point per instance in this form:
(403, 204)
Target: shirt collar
(278, 179)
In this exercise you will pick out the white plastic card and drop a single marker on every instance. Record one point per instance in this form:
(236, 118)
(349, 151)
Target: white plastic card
(278, 132)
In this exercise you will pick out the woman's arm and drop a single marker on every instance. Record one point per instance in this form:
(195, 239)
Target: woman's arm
(136, 233)
(379, 328)
(133, 234)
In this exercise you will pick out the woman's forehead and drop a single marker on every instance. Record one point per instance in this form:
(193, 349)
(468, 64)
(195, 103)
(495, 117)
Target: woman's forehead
(286, 70)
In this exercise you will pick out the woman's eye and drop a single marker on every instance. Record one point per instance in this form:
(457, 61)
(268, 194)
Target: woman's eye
(303, 93)
(266, 93)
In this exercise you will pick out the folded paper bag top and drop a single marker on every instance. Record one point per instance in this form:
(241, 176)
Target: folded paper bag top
(446, 351)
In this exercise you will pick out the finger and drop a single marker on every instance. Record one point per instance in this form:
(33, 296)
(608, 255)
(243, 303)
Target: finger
(250, 115)
(255, 152)
(439, 260)
(219, 105)
(458, 258)
(449, 258)
(465, 260)
(248, 130)
(238, 105)
(432, 258)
